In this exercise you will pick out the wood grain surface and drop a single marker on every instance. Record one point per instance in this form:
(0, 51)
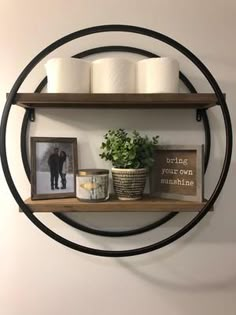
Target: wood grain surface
(147, 204)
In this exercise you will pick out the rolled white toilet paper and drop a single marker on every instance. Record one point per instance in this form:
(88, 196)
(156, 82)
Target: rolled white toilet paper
(113, 75)
(68, 75)
(157, 75)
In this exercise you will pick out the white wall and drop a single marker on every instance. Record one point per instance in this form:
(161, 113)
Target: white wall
(195, 275)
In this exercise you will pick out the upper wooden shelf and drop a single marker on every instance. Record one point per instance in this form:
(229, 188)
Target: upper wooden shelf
(147, 204)
(76, 100)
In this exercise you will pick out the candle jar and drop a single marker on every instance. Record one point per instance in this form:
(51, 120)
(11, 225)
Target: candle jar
(92, 185)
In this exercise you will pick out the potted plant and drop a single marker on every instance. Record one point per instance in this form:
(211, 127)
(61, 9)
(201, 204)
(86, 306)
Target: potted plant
(131, 157)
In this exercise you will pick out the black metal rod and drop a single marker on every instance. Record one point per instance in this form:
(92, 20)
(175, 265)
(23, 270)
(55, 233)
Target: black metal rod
(206, 207)
(23, 143)
(98, 232)
(207, 147)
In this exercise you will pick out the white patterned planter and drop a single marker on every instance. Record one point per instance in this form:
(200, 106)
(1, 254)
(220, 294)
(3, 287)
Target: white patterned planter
(129, 183)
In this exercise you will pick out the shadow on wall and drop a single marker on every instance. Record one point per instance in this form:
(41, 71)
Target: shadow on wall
(208, 269)
(217, 227)
(194, 279)
(89, 126)
(149, 119)
(179, 127)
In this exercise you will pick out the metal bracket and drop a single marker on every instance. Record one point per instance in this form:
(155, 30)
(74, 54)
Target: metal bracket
(198, 115)
(31, 114)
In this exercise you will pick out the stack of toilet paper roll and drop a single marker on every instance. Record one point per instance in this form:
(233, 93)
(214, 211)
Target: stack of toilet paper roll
(157, 75)
(68, 75)
(113, 75)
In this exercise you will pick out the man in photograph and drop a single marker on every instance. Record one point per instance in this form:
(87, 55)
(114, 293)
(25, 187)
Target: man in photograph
(53, 163)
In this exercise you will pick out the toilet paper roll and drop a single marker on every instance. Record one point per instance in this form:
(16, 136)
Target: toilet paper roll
(68, 75)
(157, 75)
(113, 75)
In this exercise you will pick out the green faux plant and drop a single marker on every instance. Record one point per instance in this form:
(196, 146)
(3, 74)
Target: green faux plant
(128, 151)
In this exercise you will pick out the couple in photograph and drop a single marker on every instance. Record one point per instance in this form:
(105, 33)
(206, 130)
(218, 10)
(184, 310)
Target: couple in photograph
(58, 165)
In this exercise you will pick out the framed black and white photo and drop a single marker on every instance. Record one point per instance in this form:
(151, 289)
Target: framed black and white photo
(53, 167)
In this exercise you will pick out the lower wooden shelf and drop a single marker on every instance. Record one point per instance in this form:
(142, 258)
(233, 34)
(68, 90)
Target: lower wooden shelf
(147, 204)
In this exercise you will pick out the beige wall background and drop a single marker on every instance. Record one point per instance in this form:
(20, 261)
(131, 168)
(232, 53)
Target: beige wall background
(196, 274)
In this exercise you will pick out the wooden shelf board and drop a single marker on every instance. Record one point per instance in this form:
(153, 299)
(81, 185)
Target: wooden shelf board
(147, 204)
(76, 100)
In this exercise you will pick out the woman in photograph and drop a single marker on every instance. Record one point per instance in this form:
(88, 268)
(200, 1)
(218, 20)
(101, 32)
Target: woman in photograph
(53, 163)
(63, 168)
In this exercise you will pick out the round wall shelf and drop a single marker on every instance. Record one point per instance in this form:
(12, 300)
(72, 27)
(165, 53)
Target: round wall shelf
(199, 102)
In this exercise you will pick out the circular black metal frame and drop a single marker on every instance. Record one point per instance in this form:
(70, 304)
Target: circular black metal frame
(221, 101)
(64, 217)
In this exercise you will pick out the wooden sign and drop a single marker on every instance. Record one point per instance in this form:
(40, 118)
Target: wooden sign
(178, 172)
